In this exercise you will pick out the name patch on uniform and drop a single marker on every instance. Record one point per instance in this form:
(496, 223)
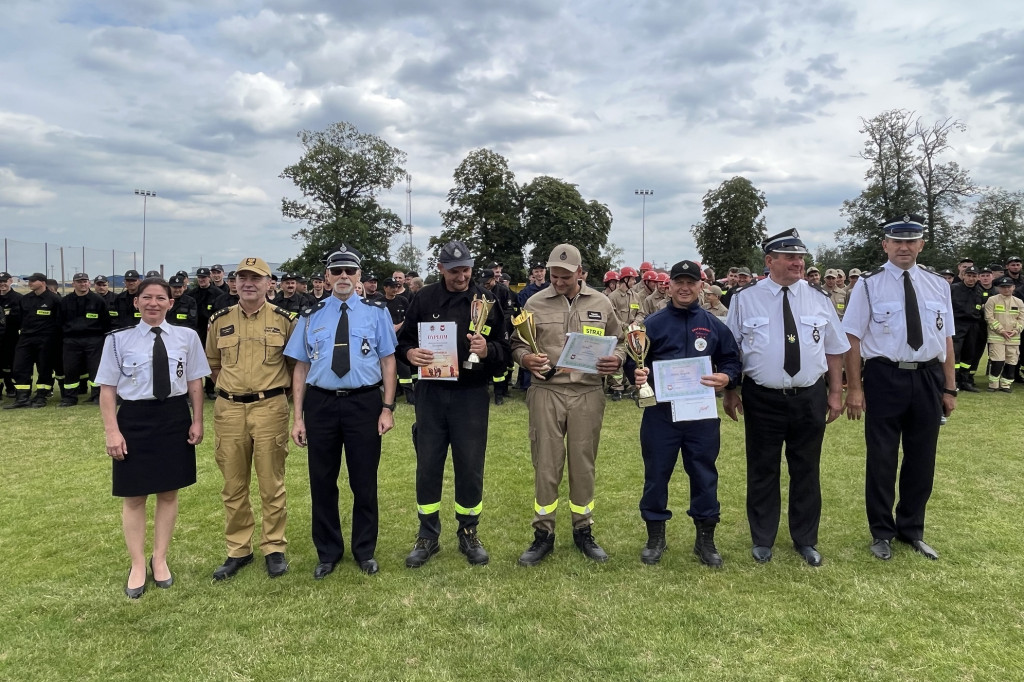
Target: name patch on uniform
(181, 316)
(593, 331)
(228, 330)
(634, 306)
(594, 315)
(92, 316)
(273, 330)
(42, 312)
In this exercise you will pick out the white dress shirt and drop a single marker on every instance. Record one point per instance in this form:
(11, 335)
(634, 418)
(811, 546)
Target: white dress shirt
(755, 320)
(875, 314)
(127, 360)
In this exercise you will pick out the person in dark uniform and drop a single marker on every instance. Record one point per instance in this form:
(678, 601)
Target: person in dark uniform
(10, 303)
(537, 282)
(790, 338)
(289, 297)
(156, 369)
(231, 297)
(969, 339)
(1015, 271)
(205, 295)
(184, 312)
(344, 349)
(397, 305)
(38, 344)
(452, 413)
(123, 313)
(370, 292)
(683, 329)
(85, 319)
(507, 301)
(217, 278)
(900, 321)
(101, 287)
(319, 292)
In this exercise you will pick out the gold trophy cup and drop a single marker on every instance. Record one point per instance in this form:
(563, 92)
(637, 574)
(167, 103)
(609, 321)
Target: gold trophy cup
(527, 329)
(637, 345)
(479, 310)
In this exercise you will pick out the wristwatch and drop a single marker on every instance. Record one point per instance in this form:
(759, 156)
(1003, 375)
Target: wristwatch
(951, 391)
(389, 406)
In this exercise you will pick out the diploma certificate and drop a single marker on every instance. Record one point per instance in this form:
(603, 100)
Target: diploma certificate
(678, 382)
(439, 338)
(582, 351)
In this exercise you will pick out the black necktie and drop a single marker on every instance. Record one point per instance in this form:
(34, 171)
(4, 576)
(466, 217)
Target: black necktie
(914, 336)
(340, 361)
(161, 367)
(791, 363)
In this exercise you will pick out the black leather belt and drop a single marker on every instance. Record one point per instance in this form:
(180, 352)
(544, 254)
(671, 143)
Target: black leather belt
(797, 390)
(904, 365)
(343, 392)
(249, 397)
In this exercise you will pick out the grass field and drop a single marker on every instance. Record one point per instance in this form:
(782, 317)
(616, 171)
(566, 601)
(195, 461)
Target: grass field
(855, 618)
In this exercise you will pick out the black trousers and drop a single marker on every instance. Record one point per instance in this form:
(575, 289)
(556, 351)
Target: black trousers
(7, 345)
(905, 405)
(968, 344)
(81, 357)
(334, 423)
(772, 420)
(40, 353)
(456, 417)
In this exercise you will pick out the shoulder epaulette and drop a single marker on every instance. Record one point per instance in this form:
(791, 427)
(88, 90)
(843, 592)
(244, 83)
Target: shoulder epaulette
(872, 273)
(221, 313)
(929, 270)
(737, 289)
(306, 312)
(375, 303)
(284, 313)
(121, 329)
(821, 290)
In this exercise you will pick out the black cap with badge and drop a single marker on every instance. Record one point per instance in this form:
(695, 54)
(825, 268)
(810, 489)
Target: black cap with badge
(5, 276)
(685, 268)
(217, 268)
(455, 254)
(1004, 281)
(202, 272)
(344, 255)
(80, 277)
(100, 279)
(784, 242)
(176, 281)
(152, 273)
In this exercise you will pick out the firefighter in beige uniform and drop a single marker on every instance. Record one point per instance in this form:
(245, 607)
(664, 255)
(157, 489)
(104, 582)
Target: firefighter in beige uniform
(245, 348)
(567, 408)
(627, 309)
(836, 293)
(1004, 316)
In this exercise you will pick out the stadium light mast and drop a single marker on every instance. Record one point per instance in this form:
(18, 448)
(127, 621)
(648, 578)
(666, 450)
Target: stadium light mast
(145, 194)
(643, 193)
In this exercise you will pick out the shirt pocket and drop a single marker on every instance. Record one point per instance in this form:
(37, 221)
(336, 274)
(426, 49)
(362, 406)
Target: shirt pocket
(938, 315)
(812, 329)
(274, 349)
(550, 331)
(888, 314)
(363, 340)
(227, 346)
(755, 332)
(138, 366)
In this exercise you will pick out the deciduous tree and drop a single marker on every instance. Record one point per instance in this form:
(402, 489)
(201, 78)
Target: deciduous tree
(733, 225)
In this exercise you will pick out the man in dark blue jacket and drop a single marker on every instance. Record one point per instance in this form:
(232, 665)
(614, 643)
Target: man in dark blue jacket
(684, 330)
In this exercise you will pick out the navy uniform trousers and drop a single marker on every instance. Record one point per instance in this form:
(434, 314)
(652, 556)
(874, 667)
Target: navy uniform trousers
(334, 422)
(661, 440)
(900, 404)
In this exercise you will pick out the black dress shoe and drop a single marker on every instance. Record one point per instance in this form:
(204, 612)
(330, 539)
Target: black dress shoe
(761, 554)
(322, 570)
(162, 584)
(921, 548)
(133, 592)
(881, 549)
(232, 566)
(276, 564)
(810, 555)
(369, 566)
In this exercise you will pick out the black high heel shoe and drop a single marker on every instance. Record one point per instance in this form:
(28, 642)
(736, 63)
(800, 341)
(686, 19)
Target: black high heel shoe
(133, 592)
(162, 584)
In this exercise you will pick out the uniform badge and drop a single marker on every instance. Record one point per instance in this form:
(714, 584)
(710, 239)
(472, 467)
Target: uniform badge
(816, 335)
(938, 321)
(700, 344)
(791, 338)
(365, 347)
(593, 315)
(228, 330)
(563, 255)
(180, 371)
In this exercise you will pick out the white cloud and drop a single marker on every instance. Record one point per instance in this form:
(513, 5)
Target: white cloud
(15, 191)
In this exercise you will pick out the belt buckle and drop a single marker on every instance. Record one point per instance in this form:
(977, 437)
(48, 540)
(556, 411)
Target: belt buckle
(789, 391)
(907, 365)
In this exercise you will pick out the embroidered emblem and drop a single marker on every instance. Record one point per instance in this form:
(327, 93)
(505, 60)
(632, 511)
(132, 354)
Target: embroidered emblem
(700, 344)
(457, 253)
(563, 256)
(791, 338)
(250, 261)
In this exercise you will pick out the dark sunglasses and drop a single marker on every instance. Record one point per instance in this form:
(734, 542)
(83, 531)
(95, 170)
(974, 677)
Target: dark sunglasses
(337, 270)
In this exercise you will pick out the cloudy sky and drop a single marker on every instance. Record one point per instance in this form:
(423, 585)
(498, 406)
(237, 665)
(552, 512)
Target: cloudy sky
(200, 102)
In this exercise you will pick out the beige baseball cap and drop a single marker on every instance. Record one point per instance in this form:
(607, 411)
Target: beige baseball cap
(565, 256)
(257, 265)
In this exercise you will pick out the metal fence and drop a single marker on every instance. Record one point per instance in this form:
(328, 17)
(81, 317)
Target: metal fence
(58, 262)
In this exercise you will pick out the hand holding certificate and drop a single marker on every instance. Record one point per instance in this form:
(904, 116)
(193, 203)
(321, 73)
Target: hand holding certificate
(680, 382)
(438, 340)
(582, 352)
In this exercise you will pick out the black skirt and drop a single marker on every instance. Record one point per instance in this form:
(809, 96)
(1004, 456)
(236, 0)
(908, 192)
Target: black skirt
(159, 456)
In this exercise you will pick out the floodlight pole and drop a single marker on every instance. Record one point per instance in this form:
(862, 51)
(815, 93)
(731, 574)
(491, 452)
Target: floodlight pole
(644, 193)
(145, 194)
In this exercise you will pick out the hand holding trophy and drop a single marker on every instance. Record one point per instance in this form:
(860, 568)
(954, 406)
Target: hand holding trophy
(527, 329)
(479, 310)
(637, 345)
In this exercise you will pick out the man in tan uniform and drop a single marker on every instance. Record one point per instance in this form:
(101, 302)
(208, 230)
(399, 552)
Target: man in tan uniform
(245, 348)
(566, 409)
(658, 298)
(835, 293)
(627, 308)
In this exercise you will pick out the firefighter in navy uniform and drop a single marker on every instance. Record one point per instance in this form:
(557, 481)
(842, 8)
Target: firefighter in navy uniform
(205, 295)
(85, 319)
(101, 287)
(184, 312)
(319, 293)
(231, 297)
(452, 413)
(123, 313)
(10, 303)
(397, 305)
(969, 339)
(217, 278)
(38, 345)
(509, 304)
(289, 297)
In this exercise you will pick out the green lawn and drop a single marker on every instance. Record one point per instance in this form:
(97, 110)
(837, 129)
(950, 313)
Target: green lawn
(960, 618)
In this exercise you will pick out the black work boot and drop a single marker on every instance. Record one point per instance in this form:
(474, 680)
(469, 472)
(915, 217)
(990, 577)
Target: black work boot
(21, 399)
(40, 398)
(422, 551)
(704, 547)
(543, 544)
(651, 553)
(70, 399)
(470, 545)
(585, 542)
(967, 381)
(410, 395)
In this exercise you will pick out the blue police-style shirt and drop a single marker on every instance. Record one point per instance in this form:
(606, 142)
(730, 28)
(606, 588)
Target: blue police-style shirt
(691, 332)
(371, 337)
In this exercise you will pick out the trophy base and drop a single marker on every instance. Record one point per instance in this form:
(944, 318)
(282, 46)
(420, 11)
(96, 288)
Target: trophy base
(472, 362)
(645, 397)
